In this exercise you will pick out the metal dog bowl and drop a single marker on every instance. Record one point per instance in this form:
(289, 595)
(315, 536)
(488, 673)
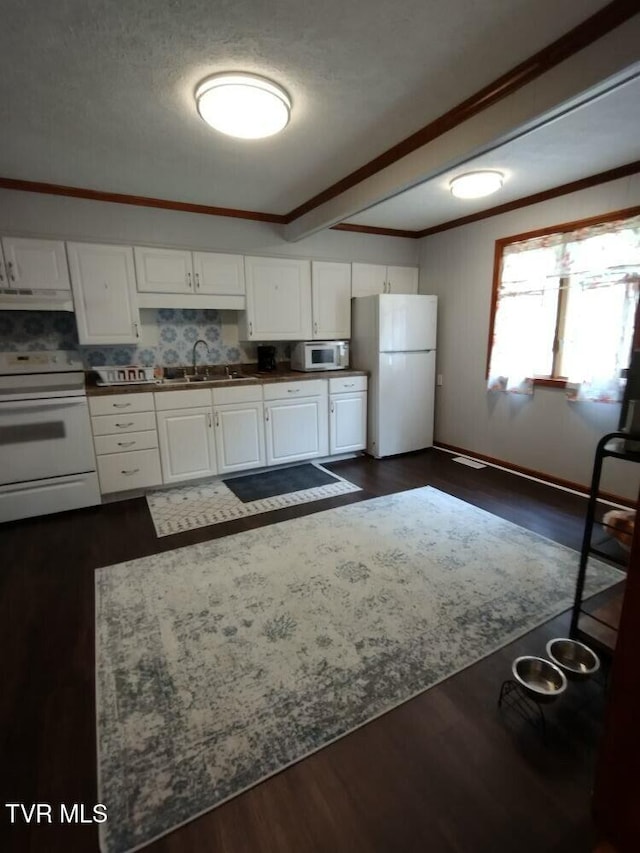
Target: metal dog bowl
(541, 679)
(575, 659)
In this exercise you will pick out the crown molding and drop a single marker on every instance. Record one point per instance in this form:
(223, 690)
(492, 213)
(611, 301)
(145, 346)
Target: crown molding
(137, 200)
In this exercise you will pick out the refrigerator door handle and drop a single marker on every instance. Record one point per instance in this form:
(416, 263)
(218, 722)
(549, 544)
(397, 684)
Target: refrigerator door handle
(403, 351)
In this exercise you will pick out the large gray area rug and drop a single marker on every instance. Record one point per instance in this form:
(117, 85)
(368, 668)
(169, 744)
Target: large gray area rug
(221, 663)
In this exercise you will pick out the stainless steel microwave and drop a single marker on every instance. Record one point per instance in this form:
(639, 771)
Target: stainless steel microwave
(320, 355)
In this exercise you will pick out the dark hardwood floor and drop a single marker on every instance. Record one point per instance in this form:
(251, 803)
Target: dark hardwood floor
(444, 772)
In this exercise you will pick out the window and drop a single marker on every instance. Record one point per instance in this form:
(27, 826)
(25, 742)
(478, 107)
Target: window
(564, 307)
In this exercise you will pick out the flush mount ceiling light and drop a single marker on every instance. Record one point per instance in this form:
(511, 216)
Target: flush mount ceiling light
(243, 105)
(476, 184)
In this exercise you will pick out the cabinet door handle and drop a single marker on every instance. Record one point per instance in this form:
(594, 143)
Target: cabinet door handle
(209, 420)
(124, 426)
(250, 328)
(121, 405)
(266, 414)
(10, 267)
(217, 419)
(293, 390)
(315, 328)
(332, 406)
(189, 280)
(136, 330)
(349, 384)
(1, 272)
(198, 281)
(126, 443)
(130, 471)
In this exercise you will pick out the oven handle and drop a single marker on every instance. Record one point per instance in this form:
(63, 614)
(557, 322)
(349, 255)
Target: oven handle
(34, 405)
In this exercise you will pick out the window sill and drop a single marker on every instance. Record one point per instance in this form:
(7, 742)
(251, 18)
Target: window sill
(547, 382)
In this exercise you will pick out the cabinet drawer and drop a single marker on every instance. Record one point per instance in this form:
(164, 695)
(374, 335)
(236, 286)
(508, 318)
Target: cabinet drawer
(191, 399)
(346, 384)
(120, 472)
(116, 424)
(291, 390)
(112, 404)
(123, 443)
(237, 394)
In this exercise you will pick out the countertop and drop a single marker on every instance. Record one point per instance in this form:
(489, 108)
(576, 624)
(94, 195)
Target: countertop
(282, 375)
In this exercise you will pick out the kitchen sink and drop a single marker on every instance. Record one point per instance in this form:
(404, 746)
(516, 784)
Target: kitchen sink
(190, 380)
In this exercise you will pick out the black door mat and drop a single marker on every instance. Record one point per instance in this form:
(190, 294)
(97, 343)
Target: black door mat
(255, 487)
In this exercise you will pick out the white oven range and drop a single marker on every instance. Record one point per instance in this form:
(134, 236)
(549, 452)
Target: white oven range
(47, 460)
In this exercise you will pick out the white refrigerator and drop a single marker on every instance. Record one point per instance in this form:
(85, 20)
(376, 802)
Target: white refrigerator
(393, 337)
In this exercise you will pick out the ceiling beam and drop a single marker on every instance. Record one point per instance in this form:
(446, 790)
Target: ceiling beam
(531, 94)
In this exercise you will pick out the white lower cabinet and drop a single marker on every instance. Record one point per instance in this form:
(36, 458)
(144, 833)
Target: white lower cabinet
(296, 420)
(187, 444)
(123, 423)
(121, 472)
(126, 443)
(200, 432)
(347, 422)
(347, 414)
(238, 416)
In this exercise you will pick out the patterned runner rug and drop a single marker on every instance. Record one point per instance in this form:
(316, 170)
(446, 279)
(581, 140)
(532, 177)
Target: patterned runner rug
(219, 664)
(183, 508)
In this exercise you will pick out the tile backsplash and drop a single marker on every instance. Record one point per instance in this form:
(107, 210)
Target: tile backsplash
(167, 336)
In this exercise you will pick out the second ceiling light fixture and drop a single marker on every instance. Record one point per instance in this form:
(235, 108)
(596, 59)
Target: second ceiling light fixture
(476, 184)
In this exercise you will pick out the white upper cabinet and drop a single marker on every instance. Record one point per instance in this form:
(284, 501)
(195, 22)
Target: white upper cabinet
(176, 278)
(402, 279)
(370, 279)
(164, 270)
(104, 293)
(278, 300)
(34, 264)
(331, 300)
(215, 272)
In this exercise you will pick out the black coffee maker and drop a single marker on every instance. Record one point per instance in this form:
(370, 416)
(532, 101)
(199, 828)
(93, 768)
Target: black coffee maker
(266, 359)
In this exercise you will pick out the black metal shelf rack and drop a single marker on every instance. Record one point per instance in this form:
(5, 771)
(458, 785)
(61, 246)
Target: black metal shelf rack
(614, 445)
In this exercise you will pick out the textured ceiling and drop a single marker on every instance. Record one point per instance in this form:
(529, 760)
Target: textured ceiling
(100, 94)
(598, 136)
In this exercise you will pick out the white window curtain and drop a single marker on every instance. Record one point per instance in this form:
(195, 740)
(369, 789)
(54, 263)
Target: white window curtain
(599, 268)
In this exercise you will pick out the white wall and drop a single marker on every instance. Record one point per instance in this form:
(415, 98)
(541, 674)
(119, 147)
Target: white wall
(37, 215)
(545, 432)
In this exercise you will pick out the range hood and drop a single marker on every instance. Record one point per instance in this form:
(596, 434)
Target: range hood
(21, 299)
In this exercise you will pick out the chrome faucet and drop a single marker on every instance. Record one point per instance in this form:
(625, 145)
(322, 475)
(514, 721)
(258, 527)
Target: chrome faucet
(195, 346)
